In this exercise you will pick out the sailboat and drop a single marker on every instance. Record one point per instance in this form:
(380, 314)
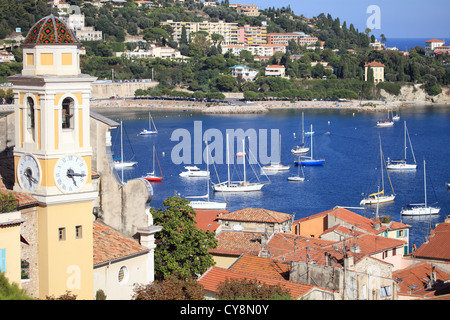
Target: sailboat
(119, 163)
(276, 166)
(420, 209)
(206, 204)
(237, 186)
(380, 197)
(298, 177)
(396, 117)
(302, 148)
(402, 164)
(385, 122)
(151, 175)
(149, 130)
(310, 161)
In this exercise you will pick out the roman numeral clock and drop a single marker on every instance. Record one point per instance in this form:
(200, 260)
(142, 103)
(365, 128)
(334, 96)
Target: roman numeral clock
(70, 173)
(52, 155)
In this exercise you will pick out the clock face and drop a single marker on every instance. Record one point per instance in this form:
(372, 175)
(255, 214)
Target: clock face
(28, 173)
(70, 173)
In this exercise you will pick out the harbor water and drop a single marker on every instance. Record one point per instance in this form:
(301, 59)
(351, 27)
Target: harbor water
(348, 140)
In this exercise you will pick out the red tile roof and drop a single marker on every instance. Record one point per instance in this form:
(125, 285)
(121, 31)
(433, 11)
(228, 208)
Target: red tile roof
(281, 245)
(236, 243)
(413, 280)
(262, 266)
(110, 245)
(23, 199)
(208, 219)
(214, 276)
(437, 246)
(274, 66)
(257, 215)
(371, 244)
(374, 64)
(434, 40)
(354, 219)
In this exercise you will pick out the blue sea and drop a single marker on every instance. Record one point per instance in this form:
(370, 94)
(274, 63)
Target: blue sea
(405, 44)
(347, 140)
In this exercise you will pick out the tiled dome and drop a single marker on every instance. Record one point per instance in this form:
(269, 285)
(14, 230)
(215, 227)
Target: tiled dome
(50, 29)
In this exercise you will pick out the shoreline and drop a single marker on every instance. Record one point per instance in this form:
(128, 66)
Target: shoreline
(242, 108)
(253, 107)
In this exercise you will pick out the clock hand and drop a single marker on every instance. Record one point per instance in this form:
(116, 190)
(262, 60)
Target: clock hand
(71, 174)
(28, 174)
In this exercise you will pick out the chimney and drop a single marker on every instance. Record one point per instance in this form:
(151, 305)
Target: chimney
(376, 226)
(326, 259)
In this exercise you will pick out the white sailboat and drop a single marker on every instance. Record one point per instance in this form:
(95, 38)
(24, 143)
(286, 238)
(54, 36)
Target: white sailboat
(237, 186)
(302, 148)
(385, 122)
(402, 164)
(119, 163)
(420, 209)
(298, 177)
(206, 204)
(276, 166)
(379, 197)
(149, 130)
(396, 117)
(310, 161)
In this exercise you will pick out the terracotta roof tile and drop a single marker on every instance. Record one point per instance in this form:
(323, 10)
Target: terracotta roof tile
(374, 64)
(257, 215)
(23, 199)
(208, 219)
(437, 246)
(413, 280)
(214, 276)
(110, 245)
(262, 266)
(281, 245)
(236, 243)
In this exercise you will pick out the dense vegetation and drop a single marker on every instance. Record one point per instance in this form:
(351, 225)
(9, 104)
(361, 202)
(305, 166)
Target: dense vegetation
(206, 71)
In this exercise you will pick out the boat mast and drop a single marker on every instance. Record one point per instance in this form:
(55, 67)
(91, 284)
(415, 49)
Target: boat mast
(243, 151)
(410, 144)
(312, 142)
(381, 165)
(425, 183)
(405, 140)
(207, 170)
(303, 129)
(121, 148)
(228, 161)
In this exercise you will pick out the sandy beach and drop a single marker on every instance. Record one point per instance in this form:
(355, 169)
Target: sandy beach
(253, 107)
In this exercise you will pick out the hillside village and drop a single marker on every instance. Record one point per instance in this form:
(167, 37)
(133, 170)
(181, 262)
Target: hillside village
(102, 238)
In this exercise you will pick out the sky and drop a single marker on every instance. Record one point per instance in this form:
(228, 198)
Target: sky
(397, 18)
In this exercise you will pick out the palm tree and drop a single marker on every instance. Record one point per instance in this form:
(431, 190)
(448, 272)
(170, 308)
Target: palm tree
(383, 39)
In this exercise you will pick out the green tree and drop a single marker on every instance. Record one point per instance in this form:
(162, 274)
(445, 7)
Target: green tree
(225, 83)
(171, 288)
(237, 289)
(12, 291)
(181, 248)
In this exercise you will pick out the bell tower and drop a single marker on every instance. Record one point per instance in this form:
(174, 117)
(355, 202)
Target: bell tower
(52, 155)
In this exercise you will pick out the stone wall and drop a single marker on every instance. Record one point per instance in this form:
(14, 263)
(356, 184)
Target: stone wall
(104, 90)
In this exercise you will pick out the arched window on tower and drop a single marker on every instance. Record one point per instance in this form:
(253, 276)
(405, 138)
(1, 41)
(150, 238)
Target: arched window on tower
(30, 114)
(31, 123)
(67, 113)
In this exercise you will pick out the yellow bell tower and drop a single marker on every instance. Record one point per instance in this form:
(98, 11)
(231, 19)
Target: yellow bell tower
(52, 155)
